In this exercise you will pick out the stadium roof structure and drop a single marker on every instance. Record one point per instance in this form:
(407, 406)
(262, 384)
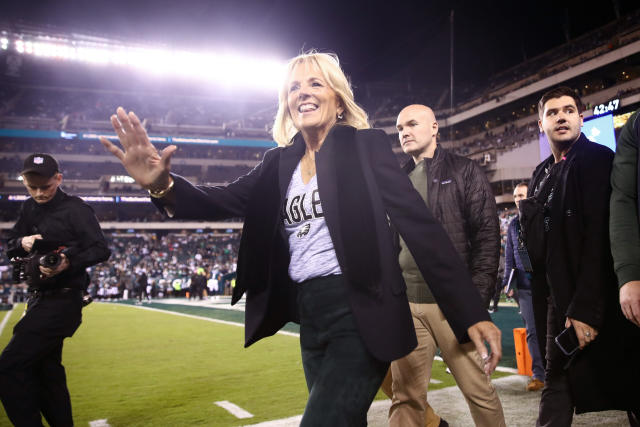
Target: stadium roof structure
(545, 83)
(227, 69)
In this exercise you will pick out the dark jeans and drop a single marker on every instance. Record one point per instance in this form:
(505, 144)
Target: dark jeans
(32, 378)
(556, 403)
(496, 297)
(342, 376)
(526, 311)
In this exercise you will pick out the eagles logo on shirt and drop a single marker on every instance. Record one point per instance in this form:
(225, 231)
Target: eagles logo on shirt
(304, 230)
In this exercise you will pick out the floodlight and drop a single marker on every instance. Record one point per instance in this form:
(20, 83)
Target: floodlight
(230, 70)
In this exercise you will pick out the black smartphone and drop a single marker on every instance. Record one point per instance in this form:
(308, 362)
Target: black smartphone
(567, 341)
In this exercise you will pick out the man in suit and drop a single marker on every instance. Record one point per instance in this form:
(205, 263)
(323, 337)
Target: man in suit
(456, 190)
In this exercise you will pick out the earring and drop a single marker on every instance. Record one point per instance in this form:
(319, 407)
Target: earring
(340, 116)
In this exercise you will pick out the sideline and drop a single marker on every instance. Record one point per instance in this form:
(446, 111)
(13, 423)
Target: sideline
(192, 316)
(6, 319)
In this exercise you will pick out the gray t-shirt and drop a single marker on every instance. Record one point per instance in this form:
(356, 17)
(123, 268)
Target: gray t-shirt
(310, 245)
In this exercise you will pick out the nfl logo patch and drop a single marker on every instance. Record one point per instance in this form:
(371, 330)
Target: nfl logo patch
(38, 160)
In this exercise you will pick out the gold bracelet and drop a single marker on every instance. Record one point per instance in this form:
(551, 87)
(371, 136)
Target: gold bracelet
(159, 194)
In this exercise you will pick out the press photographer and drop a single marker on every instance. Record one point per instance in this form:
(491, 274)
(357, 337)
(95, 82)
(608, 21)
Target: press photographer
(55, 239)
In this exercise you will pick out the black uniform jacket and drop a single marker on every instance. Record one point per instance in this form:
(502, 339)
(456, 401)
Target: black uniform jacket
(361, 188)
(65, 221)
(460, 197)
(580, 278)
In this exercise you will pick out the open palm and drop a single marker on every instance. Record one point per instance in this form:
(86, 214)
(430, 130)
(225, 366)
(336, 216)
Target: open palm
(140, 158)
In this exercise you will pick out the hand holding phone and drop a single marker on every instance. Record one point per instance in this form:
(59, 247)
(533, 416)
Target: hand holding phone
(567, 341)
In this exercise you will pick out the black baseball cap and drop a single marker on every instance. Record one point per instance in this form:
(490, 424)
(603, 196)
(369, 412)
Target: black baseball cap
(40, 164)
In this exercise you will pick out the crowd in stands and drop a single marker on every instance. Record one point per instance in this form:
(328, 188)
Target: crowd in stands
(76, 109)
(168, 261)
(94, 148)
(511, 137)
(94, 171)
(112, 211)
(202, 169)
(628, 92)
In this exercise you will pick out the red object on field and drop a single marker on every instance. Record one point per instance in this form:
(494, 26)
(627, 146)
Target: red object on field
(523, 357)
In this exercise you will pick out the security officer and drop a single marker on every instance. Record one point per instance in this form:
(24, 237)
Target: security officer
(32, 378)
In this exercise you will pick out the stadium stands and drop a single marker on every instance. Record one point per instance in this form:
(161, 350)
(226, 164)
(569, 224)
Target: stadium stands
(168, 260)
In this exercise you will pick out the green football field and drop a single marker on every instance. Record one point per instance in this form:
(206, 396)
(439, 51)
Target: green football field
(135, 367)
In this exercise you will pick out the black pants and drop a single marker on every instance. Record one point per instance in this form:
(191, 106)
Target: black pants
(556, 403)
(342, 376)
(32, 378)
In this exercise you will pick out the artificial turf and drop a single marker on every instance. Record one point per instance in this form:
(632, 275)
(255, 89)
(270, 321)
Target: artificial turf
(137, 367)
(144, 368)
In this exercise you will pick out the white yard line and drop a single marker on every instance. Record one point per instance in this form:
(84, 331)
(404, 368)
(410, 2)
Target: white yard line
(5, 320)
(99, 423)
(224, 322)
(284, 422)
(234, 409)
(295, 421)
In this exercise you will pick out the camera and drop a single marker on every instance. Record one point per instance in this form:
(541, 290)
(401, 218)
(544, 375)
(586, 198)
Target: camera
(27, 269)
(50, 260)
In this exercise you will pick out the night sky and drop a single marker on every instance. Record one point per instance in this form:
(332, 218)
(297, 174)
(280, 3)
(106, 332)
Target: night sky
(388, 41)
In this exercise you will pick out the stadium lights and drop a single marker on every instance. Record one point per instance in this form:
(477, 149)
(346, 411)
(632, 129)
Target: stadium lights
(227, 69)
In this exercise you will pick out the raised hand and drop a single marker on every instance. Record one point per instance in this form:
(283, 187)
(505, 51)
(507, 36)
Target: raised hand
(140, 158)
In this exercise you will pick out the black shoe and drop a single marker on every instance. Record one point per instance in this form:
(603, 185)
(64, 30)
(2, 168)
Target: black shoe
(443, 423)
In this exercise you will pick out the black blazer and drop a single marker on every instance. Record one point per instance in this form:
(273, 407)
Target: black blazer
(361, 187)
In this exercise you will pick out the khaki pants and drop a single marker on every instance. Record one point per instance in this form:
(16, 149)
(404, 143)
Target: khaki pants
(412, 373)
(431, 418)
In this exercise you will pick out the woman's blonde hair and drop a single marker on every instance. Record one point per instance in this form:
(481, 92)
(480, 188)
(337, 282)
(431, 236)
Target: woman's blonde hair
(329, 65)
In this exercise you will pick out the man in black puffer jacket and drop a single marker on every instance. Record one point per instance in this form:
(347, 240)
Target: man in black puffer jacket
(457, 192)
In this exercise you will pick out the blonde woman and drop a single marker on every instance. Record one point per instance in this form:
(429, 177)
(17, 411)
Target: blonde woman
(317, 248)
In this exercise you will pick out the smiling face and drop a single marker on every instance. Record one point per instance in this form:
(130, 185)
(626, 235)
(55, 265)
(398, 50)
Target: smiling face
(313, 104)
(561, 120)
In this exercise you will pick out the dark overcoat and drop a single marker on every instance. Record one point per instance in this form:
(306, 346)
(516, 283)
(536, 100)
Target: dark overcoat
(581, 281)
(362, 188)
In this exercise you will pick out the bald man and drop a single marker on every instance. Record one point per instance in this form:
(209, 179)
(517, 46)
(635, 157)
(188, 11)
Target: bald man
(457, 192)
